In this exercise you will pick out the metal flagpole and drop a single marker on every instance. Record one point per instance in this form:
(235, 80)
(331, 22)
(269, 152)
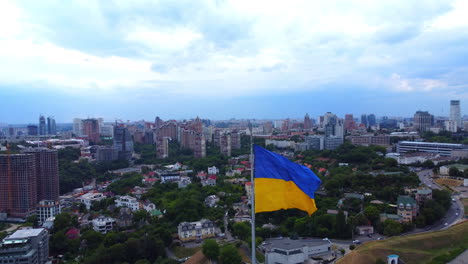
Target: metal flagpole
(252, 199)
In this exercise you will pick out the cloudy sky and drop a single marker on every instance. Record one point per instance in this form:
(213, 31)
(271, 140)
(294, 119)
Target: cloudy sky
(221, 59)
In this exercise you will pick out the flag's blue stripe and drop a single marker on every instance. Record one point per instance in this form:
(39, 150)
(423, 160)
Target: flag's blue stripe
(274, 166)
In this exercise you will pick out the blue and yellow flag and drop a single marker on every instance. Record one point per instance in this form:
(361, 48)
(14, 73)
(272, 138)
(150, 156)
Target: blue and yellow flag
(283, 184)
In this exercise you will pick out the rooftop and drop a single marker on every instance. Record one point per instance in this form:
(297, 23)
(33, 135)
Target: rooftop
(25, 233)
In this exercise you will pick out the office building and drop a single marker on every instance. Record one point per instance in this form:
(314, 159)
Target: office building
(18, 185)
(332, 142)
(294, 251)
(106, 153)
(47, 177)
(443, 149)
(307, 122)
(51, 126)
(32, 130)
(42, 125)
(123, 142)
(349, 123)
(371, 120)
(364, 120)
(451, 126)
(422, 121)
(380, 140)
(455, 114)
(91, 130)
(25, 246)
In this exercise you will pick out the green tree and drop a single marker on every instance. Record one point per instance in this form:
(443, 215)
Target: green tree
(142, 261)
(454, 172)
(210, 249)
(392, 228)
(241, 230)
(341, 227)
(230, 255)
(372, 213)
(117, 253)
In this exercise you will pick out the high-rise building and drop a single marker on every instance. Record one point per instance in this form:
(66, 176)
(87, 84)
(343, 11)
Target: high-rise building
(168, 130)
(91, 130)
(158, 123)
(332, 125)
(268, 127)
(307, 122)
(225, 144)
(162, 147)
(106, 153)
(25, 246)
(455, 114)
(32, 130)
(364, 120)
(47, 176)
(51, 127)
(123, 142)
(18, 185)
(194, 141)
(422, 121)
(371, 120)
(235, 139)
(285, 125)
(349, 122)
(77, 127)
(149, 136)
(451, 126)
(42, 125)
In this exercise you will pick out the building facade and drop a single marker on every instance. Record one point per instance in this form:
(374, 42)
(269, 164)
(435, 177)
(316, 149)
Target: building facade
(292, 251)
(422, 121)
(91, 130)
(18, 185)
(202, 229)
(47, 176)
(25, 246)
(407, 208)
(42, 126)
(123, 142)
(46, 209)
(443, 149)
(455, 114)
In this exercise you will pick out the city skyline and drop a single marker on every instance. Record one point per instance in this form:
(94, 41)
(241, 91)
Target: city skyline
(137, 60)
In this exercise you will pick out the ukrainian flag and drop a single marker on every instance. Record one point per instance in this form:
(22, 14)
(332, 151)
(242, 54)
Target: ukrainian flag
(282, 184)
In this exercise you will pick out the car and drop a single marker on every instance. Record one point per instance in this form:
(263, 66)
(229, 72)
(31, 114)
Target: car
(453, 199)
(446, 224)
(456, 214)
(357, 242)
(379, 238)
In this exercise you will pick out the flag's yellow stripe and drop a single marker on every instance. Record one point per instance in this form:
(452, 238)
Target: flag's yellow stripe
(276, 194)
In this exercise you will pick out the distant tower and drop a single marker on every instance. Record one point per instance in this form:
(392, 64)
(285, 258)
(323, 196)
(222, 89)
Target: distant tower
(371, 120)
(422, 121)
(91, 130)
(32, 130)
(455, 114)
(123, 142)
(51, 127)
(307, 122)
(364, 120)
(42, 125)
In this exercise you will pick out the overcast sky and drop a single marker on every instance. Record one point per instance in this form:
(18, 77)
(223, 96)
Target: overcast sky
(221, 59)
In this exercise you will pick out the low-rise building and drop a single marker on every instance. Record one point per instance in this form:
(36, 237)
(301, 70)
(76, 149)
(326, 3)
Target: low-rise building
(25, 246)
(103, 224)
(407, 208)
(423, 194)
(127, 201)
(46, 209)
(188, 231)
(393, 217)
(184, 181)
(213, 170)
(445, 170)
(211, 200)
(294, 251)
(88, 198)
(365, 230)
(169, 177)
(210, 181)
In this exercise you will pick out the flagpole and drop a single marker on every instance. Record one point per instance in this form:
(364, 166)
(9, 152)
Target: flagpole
(252, 199)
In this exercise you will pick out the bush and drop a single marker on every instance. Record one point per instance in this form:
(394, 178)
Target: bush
(352, 247)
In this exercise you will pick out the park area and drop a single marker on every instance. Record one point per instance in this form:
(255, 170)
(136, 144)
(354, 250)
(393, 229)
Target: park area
(430, 247)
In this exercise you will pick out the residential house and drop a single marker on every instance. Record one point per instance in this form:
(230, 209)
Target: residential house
(127, 201)
(202, 229)
(88, 199)
(213, 170)
(407, 208)
(184, 181)
(423, 194)
(211, 200)
(211, 181)
(103, 224)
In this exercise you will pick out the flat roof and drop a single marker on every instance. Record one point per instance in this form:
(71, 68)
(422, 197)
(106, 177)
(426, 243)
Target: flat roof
(25, 233)
(289, 244)
(434, 143)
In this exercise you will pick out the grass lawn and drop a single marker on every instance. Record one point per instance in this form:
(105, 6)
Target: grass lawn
(418, 248)
(448, 182)
(465, 205)
(182, 252)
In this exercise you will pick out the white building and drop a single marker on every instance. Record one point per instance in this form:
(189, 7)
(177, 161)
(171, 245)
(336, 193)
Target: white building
(213, 170)
(196, 230)
(103, 225)
(455, 114)
(128, 201)
(170, 177)
(184, 182)
(451, 125)
(46, 209)
(211, 200)
(289, 251)
(88, 199)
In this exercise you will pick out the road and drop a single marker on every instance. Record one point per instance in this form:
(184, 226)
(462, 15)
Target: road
(454, 213)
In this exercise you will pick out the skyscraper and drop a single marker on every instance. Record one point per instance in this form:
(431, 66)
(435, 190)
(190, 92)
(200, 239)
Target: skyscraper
(455, 114)
(32, 130)
(51, 127)
(349, 123)
(47, 176)
(18, 185)
(364, 120)
(307, 122)
(42, 125)
(123, 142)
(371, 120)
(77, 127)
(91, 130)
(422, 121)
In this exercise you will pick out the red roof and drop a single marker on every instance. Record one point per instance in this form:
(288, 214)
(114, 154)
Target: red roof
(150, 179)
(212, 177)
(248, 183)
(72, 233)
